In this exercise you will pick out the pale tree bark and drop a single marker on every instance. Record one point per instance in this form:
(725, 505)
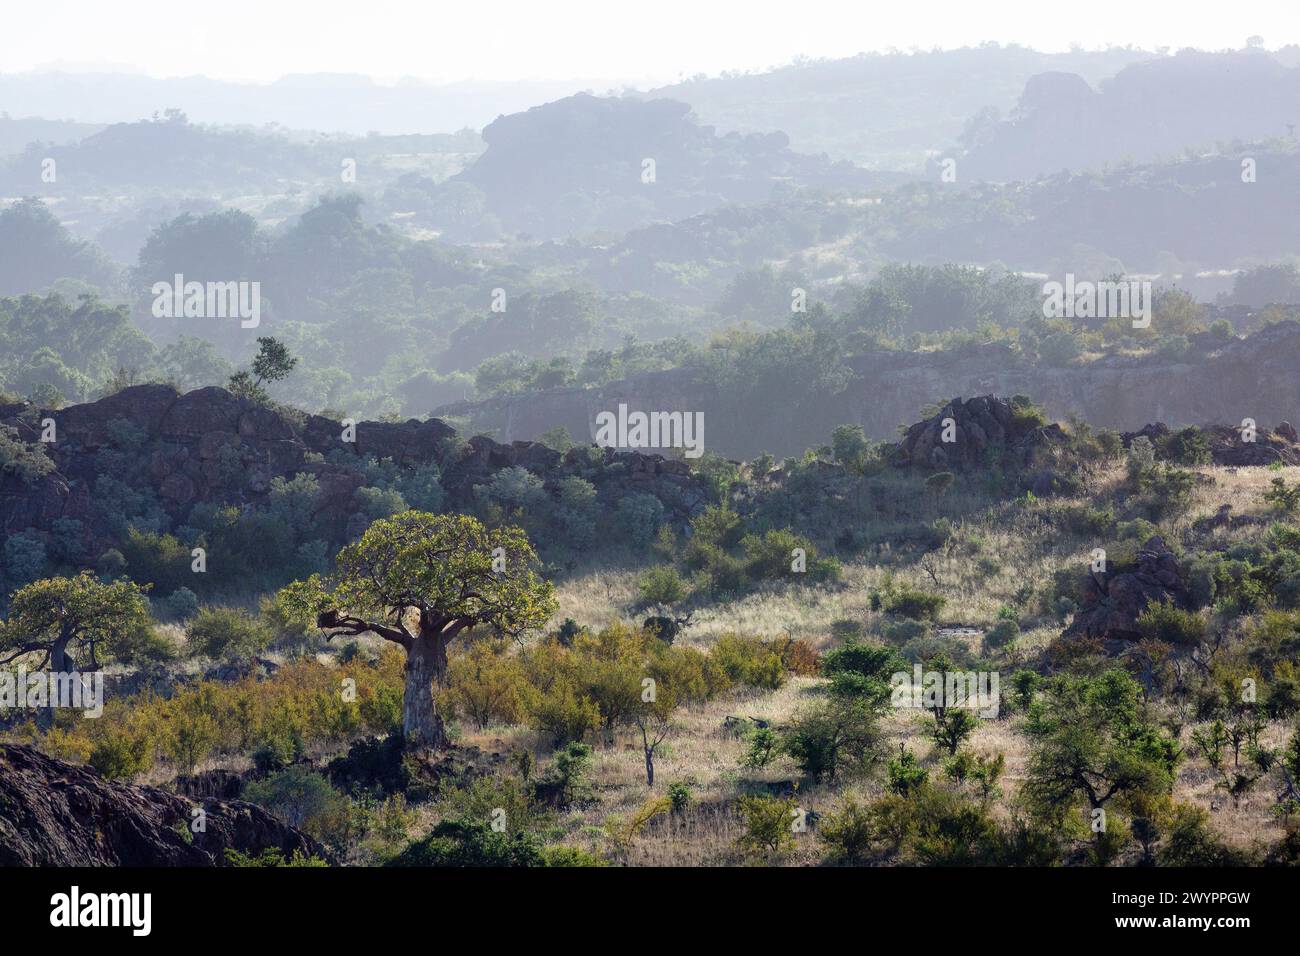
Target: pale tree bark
(426, 666)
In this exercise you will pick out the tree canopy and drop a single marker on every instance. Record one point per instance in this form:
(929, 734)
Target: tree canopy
(74, 623)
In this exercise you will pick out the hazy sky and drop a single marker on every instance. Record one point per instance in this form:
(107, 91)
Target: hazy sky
(648, 40)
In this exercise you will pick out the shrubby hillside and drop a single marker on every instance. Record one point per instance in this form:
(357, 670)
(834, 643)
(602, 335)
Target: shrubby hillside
(771, 601)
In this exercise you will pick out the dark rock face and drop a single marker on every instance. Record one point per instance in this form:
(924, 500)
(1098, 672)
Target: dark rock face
(1113, 601)
(1228, 444)
(1228, 447)
(990, 432)
(384, 765)
(978, 433)
(209, 446)
(56, 814)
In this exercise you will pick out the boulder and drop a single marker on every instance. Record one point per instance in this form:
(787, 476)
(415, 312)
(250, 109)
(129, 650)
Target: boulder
(1115, 599)
(56, 814)
(989, 432)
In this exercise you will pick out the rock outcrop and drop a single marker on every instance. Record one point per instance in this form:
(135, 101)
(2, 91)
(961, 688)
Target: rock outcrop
(978, 433)
(209, 446)
(1115, 599)
(1229, 445)
(55, 814)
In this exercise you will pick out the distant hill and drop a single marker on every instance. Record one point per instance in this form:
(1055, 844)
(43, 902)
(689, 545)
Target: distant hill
(883, 110)
(587, 162)
(330, 102)
(1158, 109)
(168, 152)
(16, 134)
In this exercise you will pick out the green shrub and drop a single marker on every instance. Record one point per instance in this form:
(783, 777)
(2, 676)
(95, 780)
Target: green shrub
(662, 585)
(833, 738)
(1001, 634)
(1165, 621)
(569, 857)
(913, 603)
(224, 633)
(1282, 497)
(768, 823)
(640, 516)
(1187, 446)
(272, 857)
(158, 559)
(763, 746)
(181, 605)
(24, 558)
(749, 660)
(905, 774)
(122, 756)
(303, 799)
(464, 843)
(679, 794)
(28, 460)
(848, 831)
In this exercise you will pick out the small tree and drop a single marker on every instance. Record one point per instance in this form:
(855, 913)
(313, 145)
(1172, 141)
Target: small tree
(654, 719)
(838, 735)
(769, 824)
(420, 580)
(73, 624)
(272, 363)
(1089, 740)
(952, 726)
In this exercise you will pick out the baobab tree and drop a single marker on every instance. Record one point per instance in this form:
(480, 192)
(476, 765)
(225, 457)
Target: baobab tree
(73, 624)
(421, 580)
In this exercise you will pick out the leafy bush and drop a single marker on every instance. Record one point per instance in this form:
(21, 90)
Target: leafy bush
(28, 460)
(768, 823)
(158, 559)
(1187, 446)
(679, 795)
(662, 585)
(225, 633)
(640, 516)
(905, 774)
(749, 660)
(465, 843)
(24, 557)
(913, 603)
(181, 605)
(1282, 497)
(303, 799)
(839, 736)
(1165, 621)
(848, 831)
(122, 755)
(485, 684)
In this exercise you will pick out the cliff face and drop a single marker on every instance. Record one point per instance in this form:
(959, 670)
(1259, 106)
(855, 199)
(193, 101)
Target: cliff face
(1256, 377)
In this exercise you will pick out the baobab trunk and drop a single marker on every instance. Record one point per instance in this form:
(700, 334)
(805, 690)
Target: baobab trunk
(61, 663)
(426, 664)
